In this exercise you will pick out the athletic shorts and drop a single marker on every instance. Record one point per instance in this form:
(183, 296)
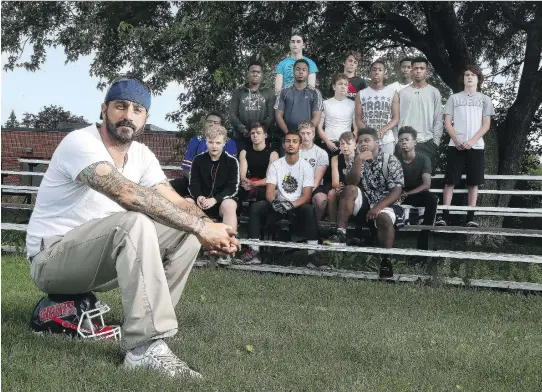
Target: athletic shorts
(322, 189)
(470, 162)
(395, 211)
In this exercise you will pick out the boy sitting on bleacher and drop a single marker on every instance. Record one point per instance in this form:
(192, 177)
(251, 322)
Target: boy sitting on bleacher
(417, 173)
(198, 145)
(290, 181)
(254, 162)
(374, 185)
(214, 181)
(319, 161)
(340, 166)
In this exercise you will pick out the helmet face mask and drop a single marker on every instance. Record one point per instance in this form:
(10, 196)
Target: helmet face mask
(78, 316)
(91, 324)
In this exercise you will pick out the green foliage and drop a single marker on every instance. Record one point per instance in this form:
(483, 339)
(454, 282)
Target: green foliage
(249, 332)
(50, 117)
(205, 46)
(12, 121)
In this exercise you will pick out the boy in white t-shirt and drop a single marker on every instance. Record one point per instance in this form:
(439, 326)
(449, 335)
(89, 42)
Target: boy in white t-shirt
(290, 181)
(377, 107)
(467, 118)
(405, 75)
(338, 116)
(104, 210)
(319, 161)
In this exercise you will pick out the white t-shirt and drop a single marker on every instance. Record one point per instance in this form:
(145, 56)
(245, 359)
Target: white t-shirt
(398, 86)
(338, 117)
(290, 179)
(376, 109)
(63, 203)
(468, 111)
(315, 156)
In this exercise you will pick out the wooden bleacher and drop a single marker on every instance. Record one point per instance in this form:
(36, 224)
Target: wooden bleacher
(30, 191)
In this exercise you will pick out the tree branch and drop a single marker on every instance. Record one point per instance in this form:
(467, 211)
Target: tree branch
(515, 63)
(510, 14)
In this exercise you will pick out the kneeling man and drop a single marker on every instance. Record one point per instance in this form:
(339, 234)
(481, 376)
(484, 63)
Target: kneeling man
(106, 217)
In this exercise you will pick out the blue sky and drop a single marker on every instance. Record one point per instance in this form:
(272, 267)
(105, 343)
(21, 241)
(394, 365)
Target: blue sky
(70, 86)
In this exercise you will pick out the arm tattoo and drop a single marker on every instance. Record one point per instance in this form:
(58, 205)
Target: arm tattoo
(187, 207)
(104, 178)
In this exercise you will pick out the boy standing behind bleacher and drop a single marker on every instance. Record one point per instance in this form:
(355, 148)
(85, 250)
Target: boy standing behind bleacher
(420, 107)
(285, 70)
(338, 116)
(467, 118)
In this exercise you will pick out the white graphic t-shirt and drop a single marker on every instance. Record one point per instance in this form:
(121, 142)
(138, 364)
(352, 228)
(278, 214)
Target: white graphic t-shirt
(338, 117)
(376, 108)
(290, 179)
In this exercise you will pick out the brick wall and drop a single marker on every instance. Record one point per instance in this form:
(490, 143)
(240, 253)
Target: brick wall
(165, 145)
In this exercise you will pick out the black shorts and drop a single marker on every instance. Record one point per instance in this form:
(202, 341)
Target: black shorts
(322, 189)
(212, 212)
(470, 162)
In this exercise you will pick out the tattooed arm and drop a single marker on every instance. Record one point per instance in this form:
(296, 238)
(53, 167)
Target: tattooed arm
(103, 177)
(165, 189)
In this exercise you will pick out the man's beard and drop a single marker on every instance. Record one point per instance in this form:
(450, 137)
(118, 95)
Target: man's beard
(122, 139)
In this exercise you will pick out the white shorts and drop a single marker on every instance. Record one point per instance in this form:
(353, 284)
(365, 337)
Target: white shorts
(359, 202)
(388, 148)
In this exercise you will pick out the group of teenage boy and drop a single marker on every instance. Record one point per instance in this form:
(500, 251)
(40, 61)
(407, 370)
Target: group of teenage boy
(104, 190)
(376, 149)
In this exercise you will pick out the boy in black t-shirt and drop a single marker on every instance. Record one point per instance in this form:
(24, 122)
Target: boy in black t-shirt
(417, 172)
(254, 162)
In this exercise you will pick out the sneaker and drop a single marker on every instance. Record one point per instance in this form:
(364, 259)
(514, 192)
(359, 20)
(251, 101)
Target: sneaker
(386, 269)
(472, 224)
(158, 356)
(440, 221)
(249, 257)
(224, 261)
(338, 239)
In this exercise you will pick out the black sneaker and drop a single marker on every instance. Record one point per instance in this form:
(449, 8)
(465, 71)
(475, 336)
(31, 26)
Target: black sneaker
(440, 221)
(386, 269)
(472, 224)
(338, 239)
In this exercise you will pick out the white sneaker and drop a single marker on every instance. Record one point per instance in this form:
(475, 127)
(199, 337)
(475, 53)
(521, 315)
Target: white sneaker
(224, 260)
(158, 356)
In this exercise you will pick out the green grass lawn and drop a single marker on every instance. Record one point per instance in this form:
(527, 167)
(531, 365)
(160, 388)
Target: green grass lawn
(306, 333)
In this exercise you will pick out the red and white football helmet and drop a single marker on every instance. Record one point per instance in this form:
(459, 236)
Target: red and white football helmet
(76, 315)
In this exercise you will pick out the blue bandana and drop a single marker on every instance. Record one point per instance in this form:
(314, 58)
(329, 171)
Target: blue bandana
(129, 90)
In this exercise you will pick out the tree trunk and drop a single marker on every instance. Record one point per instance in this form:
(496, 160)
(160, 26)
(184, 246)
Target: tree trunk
(514, 130)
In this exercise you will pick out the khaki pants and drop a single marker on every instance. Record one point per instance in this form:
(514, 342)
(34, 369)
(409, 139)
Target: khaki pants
(148, 261)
